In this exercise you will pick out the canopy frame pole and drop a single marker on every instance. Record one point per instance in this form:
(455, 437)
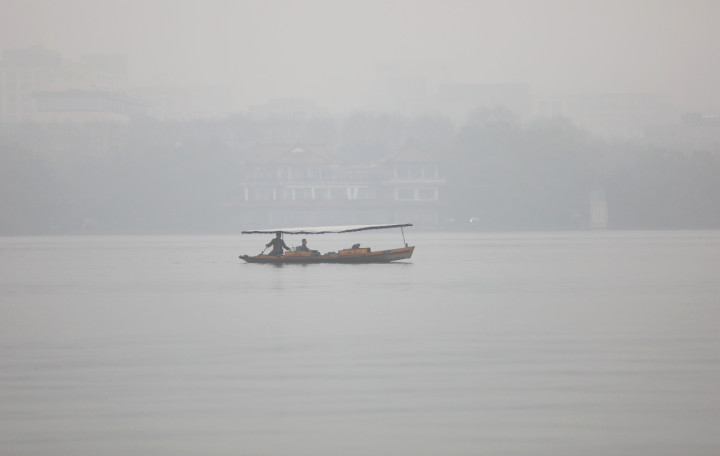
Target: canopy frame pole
(325, 229)
(403, 234)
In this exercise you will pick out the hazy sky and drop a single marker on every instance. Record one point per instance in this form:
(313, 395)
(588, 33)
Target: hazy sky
(329, 50)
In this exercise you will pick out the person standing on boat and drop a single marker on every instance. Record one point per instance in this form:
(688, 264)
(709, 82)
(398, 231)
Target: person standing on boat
(278, 245)
(303, 247)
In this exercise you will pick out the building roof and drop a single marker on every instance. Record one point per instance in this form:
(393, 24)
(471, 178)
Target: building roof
(291, 154)
(88, 101)
(410, 153)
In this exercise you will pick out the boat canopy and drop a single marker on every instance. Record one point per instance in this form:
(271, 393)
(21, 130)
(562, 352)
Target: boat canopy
(326, 229)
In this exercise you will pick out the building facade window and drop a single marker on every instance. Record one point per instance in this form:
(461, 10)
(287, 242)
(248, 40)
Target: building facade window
(416, 172)
(338, 193)
(321, 193)
(402, 172)
(430, 172)
(298, 174)
(427, 193)
(405, 193)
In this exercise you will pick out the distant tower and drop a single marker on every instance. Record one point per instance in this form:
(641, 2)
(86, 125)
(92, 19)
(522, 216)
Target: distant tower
(598, 210)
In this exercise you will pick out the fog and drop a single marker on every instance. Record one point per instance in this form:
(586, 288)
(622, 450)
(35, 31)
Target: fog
(329, 51)
(540, 271)
(496, 173)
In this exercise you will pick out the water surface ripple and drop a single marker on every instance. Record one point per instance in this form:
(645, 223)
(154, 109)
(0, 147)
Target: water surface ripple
(506, 344)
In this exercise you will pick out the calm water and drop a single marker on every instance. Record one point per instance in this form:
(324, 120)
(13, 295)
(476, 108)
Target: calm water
(515, 344)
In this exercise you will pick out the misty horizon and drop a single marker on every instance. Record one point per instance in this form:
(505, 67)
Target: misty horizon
(332, 52)
(362, 227)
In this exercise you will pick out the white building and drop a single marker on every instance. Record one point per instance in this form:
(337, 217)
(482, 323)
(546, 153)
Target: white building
(303, 184)
(39, 85)
(185, 103)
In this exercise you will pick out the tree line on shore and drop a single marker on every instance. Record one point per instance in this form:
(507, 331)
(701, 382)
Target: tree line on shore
(177, 177)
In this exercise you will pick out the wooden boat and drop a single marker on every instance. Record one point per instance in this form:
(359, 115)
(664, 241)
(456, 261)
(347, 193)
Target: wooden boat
(353, 255)
(382, 256)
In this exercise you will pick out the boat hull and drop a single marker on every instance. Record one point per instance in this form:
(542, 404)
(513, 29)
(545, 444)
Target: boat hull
(381, 256)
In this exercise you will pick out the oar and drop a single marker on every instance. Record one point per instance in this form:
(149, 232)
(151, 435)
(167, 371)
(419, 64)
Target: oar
(264, 250)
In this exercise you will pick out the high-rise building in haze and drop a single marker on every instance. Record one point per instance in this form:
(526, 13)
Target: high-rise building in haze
(39, 85)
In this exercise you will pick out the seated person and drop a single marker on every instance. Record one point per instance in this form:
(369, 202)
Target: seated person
(278, 245)
(303, 247)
